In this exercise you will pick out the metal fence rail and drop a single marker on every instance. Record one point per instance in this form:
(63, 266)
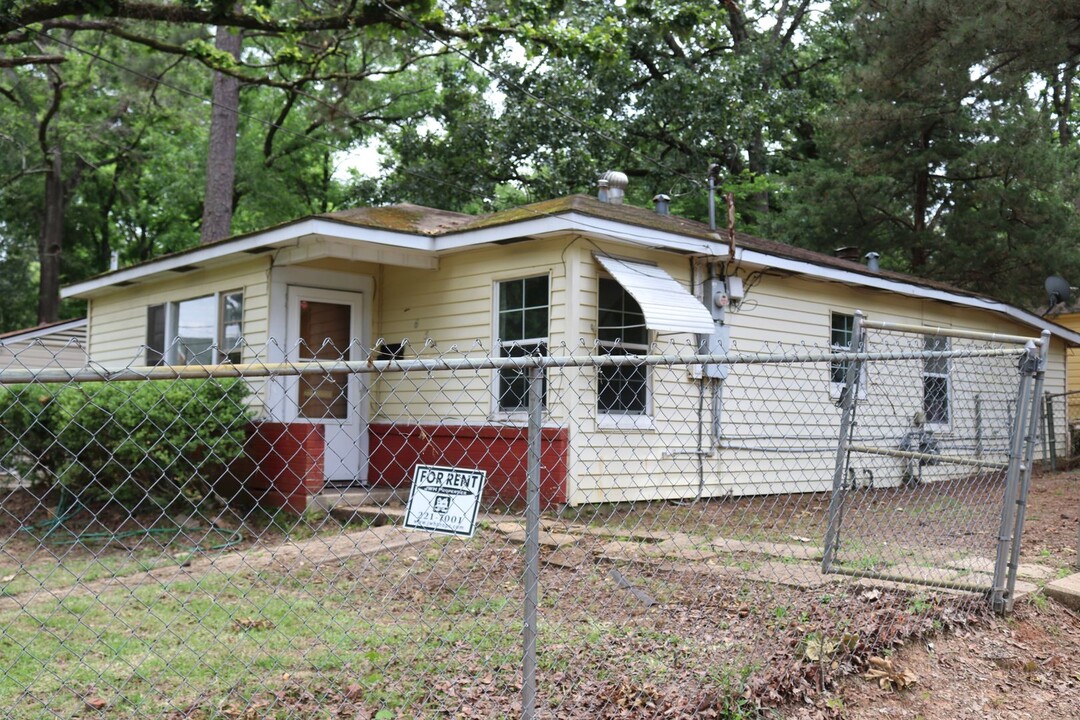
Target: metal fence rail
(297, 539)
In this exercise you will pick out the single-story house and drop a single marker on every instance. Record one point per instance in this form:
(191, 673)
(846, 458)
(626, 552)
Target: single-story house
(51, 345)
(556, 274)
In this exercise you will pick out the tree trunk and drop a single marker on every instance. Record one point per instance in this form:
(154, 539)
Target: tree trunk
(51, 242)
(221, 154)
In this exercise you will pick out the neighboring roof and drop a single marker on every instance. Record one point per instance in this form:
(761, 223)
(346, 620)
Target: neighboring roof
(62, 330)
(419, 229)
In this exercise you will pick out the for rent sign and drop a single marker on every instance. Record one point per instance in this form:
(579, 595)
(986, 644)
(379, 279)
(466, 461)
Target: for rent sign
(444, 500)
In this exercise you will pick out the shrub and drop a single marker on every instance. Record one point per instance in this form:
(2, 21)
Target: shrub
(167, 441)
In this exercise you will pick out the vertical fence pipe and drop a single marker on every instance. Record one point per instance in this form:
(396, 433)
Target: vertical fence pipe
(1051, 437)
(1034, 424)
(978, 426)
(532, 544)
(848, 397)
(1012, 479)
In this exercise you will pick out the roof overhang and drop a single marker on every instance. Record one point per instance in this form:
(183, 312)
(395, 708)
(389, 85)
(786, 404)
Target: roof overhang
(383, 246)
(911, 289)
(364, 243)
(34, 333)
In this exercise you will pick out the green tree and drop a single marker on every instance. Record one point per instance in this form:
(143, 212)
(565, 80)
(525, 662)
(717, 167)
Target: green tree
(941, 156)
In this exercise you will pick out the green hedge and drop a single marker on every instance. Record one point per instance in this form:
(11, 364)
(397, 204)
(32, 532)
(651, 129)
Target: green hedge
(166, 441)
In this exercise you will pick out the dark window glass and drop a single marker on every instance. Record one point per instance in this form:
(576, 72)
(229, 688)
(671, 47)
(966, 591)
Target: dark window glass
(621, 331)
(523, 331)
(155, 335)
(936, 381)
(232, 324)
(842, 328)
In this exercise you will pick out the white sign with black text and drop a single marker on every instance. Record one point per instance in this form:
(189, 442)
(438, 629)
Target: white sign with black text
(444, 500)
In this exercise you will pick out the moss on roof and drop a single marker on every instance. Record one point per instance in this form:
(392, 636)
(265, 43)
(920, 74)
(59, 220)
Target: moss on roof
(401, 218)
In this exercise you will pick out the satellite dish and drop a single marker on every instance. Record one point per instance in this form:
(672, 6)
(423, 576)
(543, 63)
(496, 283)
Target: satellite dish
(1058, 289)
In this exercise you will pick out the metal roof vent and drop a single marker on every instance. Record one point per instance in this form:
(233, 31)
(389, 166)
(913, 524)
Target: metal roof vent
(613, 187)
(662, 204)
(872, 261)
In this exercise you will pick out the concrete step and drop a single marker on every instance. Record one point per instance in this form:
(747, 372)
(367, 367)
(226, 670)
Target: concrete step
(1065, 590)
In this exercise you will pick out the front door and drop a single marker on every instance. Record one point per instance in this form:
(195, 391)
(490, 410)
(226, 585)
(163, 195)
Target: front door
(325, 325)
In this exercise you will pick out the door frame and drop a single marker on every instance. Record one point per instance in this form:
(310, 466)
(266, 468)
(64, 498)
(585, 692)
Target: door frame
(281, 340)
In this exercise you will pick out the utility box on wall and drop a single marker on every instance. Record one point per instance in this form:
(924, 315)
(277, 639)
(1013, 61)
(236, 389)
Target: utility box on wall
(719, 342)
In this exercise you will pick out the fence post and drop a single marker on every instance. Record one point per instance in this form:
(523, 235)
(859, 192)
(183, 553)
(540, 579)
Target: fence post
(848, 397)
(1029, 459)
(1051, 438)
(532, 543)
(978, 426)
(1012, 480)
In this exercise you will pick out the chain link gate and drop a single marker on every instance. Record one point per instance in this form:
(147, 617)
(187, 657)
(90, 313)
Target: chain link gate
(952, 428)
(650, 538)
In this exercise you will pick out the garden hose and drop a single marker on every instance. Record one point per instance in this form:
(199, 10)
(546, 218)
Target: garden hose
(67, 507)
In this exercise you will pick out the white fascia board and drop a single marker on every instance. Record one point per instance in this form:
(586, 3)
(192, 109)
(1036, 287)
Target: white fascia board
(317, 227)
(896, 286)
(575, 222)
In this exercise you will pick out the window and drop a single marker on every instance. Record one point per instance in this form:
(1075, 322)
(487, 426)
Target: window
(198, 331)
(936, 381)
(842, 328)
(840, 338)
(522, 331)
(621, 390)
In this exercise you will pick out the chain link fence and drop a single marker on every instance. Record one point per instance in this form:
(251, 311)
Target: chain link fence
(666, 534)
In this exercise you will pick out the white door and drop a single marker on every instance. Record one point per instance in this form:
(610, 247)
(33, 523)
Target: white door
(325, 325)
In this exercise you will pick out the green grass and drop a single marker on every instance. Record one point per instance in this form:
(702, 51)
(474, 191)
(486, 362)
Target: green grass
(157, 648)
(52, 574)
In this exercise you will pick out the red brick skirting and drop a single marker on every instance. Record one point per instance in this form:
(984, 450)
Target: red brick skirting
(395, 449)
(285, 463)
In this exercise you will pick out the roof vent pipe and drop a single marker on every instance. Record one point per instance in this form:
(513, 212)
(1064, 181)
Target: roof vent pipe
(613, 187)
(662, 204)
(602, 193)
(872, 261)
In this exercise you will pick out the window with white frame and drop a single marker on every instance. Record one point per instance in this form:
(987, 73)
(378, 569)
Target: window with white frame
(840, 338)
(620, 330)
(936, 381)
(197, 331)
(522, 329)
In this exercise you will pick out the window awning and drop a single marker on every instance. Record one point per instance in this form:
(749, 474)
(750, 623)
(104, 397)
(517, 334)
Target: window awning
(666, 304)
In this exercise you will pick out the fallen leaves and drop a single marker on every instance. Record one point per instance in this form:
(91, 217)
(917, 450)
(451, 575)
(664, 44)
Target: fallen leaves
(252, 624)
(889, 675)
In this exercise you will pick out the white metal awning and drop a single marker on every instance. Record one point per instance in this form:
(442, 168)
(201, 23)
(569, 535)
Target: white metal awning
(666, 304)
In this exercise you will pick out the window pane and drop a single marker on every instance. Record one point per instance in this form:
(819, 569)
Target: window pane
(536, 323)
(512, 325)
(232, 320)
(619, 316)
(514, 384)
(155, 335)
(324, 397)
(938, 366)
(511, 294)
(536, 291)
(324, 330)
(196, 328)
(936, 398)
(840, 339)
(325, 334)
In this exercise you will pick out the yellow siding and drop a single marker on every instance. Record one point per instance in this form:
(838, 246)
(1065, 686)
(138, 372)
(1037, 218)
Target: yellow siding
(453, 307)
(117, 329)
